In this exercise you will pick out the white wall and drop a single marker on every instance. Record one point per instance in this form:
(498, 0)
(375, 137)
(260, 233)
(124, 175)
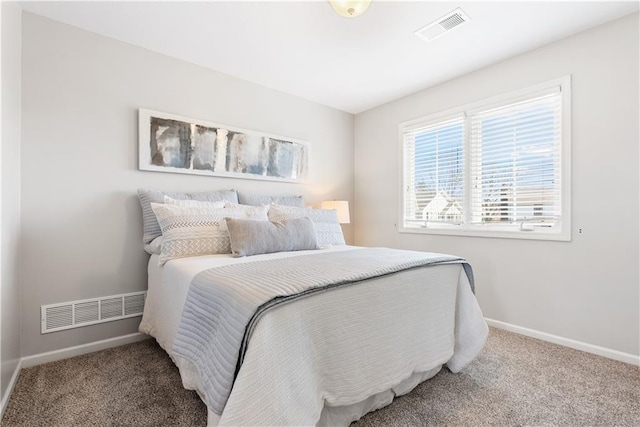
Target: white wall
(586, 289)
(10, 193)
(81, 219)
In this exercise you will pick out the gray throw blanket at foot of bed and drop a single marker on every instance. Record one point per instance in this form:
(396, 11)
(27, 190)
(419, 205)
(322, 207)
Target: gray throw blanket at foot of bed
(224, 303)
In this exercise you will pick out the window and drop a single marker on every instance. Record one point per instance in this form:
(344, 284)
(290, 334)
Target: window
(497, 168)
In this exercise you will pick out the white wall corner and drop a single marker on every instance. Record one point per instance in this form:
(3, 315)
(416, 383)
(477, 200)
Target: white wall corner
(12, 383)
(10, 135)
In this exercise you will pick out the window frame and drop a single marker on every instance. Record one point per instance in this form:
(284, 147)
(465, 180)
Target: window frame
(560, 233)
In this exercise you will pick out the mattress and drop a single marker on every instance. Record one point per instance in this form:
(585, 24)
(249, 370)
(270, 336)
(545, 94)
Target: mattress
(332, 357)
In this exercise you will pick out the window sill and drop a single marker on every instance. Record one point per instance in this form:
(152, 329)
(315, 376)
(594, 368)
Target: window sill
(498, 234)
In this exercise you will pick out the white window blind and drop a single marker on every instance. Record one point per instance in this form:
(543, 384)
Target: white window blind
(434, 180)
(498, 167)
(515, 157)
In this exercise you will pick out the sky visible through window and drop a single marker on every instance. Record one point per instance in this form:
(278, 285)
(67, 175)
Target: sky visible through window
(515, 160)
(439, 160)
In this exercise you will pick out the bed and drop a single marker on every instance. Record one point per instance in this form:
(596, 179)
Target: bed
(320, 355)
(333, 356)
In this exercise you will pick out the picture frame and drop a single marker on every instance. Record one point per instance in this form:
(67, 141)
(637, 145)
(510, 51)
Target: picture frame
(177, 144)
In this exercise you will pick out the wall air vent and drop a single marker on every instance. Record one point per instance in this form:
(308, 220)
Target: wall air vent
(443, 25)
(74, 314)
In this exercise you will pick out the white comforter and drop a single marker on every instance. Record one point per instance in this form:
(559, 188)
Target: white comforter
(330, 358)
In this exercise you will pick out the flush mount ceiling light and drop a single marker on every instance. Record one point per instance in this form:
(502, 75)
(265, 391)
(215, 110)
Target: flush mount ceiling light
(350, 8)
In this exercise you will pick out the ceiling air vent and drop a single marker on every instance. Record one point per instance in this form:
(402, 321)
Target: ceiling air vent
(443, 25)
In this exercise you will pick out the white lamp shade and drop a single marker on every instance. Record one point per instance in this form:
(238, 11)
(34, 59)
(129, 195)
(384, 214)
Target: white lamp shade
(342, 206)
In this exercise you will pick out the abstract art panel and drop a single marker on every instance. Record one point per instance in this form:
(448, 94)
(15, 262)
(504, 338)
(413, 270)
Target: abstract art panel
(170, 143)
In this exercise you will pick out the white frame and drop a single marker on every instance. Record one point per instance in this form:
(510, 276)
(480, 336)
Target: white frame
(496, 231)
(144, 149)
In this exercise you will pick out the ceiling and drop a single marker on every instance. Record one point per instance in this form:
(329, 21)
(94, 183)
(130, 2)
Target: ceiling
(305, 49)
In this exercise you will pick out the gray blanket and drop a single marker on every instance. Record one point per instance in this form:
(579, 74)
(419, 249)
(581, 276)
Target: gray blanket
(224, 303)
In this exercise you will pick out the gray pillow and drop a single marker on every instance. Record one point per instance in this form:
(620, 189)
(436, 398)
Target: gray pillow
(147, 196)
(250, 237)
(257, 200)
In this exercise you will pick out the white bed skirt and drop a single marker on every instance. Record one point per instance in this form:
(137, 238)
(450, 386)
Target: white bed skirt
(344, 415)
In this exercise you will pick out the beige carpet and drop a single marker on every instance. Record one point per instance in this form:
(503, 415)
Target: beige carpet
(515, 381)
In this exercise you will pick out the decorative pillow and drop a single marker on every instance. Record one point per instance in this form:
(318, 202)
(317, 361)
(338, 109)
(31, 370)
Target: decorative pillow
(198, 231)
(257, 199)
(155, 247)
(263, 237)
(328, 230)
(194, 203)
(230, 205)
(148, 196)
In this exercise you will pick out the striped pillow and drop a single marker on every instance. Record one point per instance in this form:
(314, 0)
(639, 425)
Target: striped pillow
(325, 221)
(258, 199)
(147, 196)
(194, 203)
(198, 231)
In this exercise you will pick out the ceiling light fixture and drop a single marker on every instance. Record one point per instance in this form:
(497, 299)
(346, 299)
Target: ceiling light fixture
(350, 8)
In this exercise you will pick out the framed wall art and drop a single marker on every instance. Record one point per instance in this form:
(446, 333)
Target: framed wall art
(176, 144)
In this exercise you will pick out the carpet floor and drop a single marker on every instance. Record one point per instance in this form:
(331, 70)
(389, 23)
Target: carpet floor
(515, 381)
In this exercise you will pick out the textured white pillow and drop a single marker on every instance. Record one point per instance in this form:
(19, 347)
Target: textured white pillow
(231, 205)
(155, 247)
(193, 203)
(147, 196)
(198, 231)
(325, 221)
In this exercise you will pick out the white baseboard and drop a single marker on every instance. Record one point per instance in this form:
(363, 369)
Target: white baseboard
(65, 353)
(578, 345)
(12, 384)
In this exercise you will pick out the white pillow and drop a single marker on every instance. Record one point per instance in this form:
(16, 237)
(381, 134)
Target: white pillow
(193, 203)
(325, 221)
(147, 196)
(198, 231)
(155, 246)
(231, 205)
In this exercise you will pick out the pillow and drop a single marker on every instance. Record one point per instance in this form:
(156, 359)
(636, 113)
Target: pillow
(257, 199)
(147, 196)
(198, 231)
(263, 237)
(325, 221)
(194, 203)
(155, 246)
(230, 205)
